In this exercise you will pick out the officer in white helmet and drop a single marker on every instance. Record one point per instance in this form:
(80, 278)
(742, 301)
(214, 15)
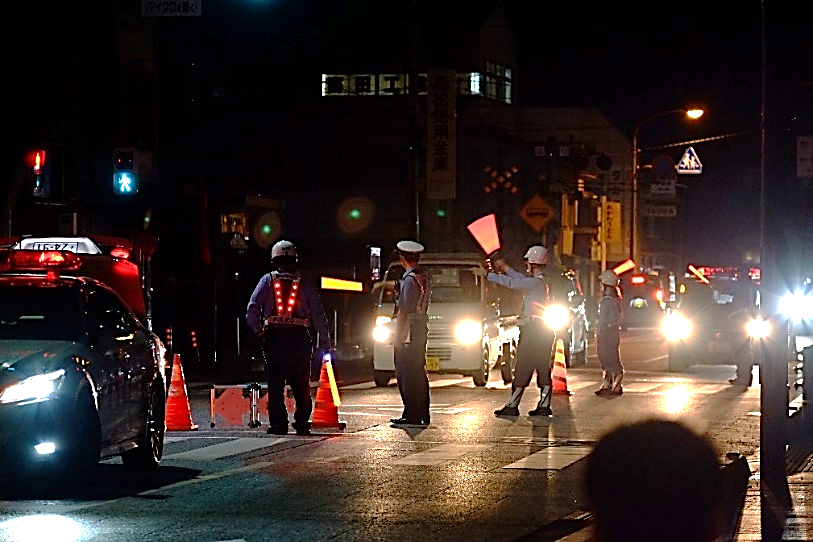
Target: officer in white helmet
(285, 311)
(411, 331)
(608, 335)
(535, 337)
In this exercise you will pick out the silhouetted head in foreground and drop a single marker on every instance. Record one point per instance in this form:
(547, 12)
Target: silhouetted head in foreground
(655, 481)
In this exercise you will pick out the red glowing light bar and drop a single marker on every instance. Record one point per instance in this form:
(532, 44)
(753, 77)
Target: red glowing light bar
(38, 260)
(485, 233)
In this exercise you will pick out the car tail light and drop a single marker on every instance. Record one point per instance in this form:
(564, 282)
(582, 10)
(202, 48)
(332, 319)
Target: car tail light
(120, 252)
(638, 279)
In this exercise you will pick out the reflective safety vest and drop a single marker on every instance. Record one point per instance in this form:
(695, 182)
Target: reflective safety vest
(286, 290)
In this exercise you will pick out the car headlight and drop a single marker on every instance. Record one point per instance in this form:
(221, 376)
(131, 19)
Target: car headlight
(468, 332)
(33, 388)
(382, 331)
(676, 326)
(796, 306)
(556, 317)
(758, 328)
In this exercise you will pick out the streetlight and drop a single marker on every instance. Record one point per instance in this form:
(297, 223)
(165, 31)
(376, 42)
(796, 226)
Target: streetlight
(634, 227)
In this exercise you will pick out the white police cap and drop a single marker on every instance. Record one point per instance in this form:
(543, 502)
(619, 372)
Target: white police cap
(409, 246)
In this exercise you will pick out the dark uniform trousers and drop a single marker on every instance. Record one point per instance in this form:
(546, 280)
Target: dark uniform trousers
(287, 351)
(410, 370)
(608, 344)
(534, 354)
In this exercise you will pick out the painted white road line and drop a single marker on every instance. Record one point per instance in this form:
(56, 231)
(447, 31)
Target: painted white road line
(440, 454)
(553, 458)
(584, 535)
(226, 449)
(640, 387)
(446, 382)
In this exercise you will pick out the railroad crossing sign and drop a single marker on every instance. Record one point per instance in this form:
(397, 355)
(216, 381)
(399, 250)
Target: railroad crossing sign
(537, 213)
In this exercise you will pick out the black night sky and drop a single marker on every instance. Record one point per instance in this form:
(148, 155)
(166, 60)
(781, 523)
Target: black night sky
(629, 59)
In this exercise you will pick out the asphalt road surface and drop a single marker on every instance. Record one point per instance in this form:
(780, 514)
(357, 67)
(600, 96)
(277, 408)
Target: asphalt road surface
(468, 476)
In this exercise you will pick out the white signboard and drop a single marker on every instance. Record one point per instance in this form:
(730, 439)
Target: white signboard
(171, 8)
(690, 163)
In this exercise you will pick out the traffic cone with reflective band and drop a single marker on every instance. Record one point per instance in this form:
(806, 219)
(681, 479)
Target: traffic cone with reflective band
(326, 409)
(178, 412)
(559, 373)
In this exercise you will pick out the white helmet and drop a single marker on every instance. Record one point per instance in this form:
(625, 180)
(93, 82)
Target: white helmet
(608, 278)
(283, 248)
(538, 255)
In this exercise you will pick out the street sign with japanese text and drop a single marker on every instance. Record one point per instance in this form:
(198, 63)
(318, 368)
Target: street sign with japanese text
(537, 213)
(171, 8)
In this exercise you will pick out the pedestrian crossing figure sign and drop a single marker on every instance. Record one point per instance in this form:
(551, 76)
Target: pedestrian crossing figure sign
(690, 163)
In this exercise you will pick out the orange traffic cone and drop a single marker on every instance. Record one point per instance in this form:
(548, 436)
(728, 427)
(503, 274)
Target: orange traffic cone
(326, 409)
(290, 403)
(178, 412)
(559, 373)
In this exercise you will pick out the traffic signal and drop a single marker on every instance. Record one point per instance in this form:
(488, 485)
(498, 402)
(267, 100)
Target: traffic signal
(125, 172)
(39, 168)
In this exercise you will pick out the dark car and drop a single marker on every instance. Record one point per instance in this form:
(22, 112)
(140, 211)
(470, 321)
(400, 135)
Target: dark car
(710, 323)
(565, 289)
(642, 299)
(81, 378)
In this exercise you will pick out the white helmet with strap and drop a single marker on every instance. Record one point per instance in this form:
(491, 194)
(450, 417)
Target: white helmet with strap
(538, 255)
(283, 248)
(608, 278)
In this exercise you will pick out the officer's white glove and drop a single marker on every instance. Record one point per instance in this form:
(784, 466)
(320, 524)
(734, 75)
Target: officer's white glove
(479, 271)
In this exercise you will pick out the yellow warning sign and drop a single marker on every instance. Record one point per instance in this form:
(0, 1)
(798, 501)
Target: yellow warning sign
(537, 213)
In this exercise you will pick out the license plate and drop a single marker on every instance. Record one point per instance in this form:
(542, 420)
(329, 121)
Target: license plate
(719, 347)
(432, 364)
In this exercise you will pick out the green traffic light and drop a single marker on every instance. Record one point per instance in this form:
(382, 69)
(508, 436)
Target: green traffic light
(355, 214)
(267, 229)
(441, 213)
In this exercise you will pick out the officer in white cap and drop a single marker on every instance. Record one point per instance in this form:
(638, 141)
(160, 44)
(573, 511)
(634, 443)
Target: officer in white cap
(535, 337)
(284, 311)
(411, 331)
(608, 335)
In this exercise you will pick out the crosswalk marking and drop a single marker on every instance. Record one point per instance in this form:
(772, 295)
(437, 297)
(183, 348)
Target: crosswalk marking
(440, 454)
(553, 458)
(641, 387)
(226, 449)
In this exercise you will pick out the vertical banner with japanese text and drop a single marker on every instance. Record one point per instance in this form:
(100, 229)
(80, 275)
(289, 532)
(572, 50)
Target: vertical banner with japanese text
(441, 149)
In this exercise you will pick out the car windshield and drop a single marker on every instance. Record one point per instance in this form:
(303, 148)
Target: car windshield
(36, 313)
(726, 293)
(450, 283)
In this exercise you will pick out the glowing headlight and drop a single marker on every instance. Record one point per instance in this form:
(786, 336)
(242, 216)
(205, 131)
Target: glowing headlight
(382, 320)
(34, 388)
(758, 328)
(381, 333)
(557, 317)
(676, 326)
(468, 332)
(796, 306)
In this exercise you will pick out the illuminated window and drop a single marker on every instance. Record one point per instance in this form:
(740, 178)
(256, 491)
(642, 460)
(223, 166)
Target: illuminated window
(498, 82)
(334, 85)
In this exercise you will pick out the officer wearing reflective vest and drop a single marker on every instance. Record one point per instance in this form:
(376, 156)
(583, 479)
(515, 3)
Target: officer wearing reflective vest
(284, 311)
(608, 335)
(535, 337)
(411, 331)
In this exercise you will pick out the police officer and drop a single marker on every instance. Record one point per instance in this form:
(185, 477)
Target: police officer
(535, 337)
(284, 311)
(608, 336)
(411, 331)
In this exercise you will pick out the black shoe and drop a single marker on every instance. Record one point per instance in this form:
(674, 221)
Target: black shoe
(398, 421)
(605, 392)
(273, 430)
(507, 411)
(740, 382)
(541, 411)
(601, 391)
(303, 430)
